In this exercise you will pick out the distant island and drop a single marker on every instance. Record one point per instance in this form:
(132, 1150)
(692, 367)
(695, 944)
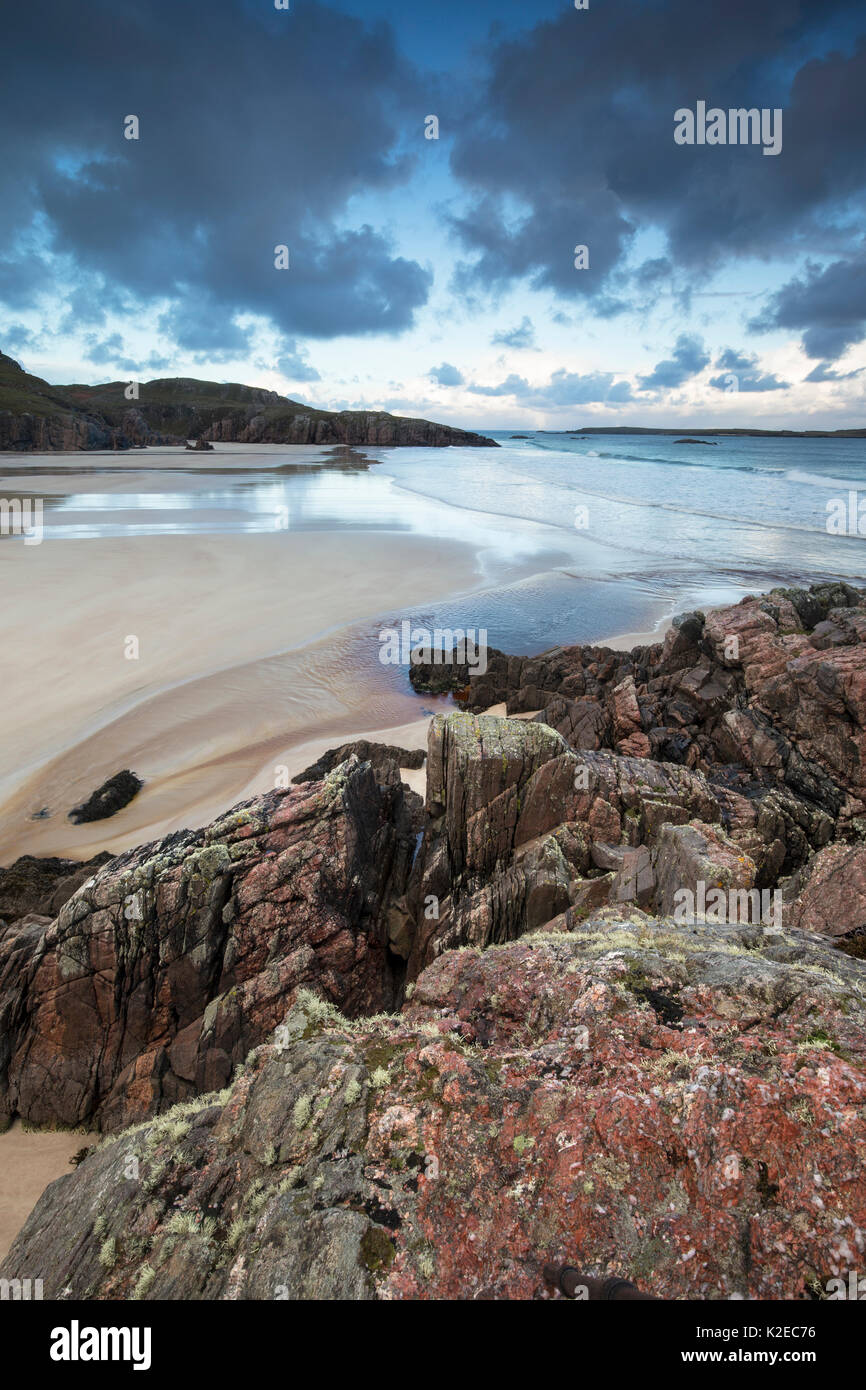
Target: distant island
(35, 416)
(738, 433)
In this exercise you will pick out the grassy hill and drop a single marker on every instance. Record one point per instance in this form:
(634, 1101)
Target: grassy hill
(21, 393)
(171, 410)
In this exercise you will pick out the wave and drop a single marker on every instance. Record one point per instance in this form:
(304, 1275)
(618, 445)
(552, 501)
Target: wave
(575, 490)
(717, 462)
(798, 475)
(690, 510)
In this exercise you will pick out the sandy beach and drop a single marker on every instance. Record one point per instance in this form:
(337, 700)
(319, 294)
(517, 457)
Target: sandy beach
(173, 622)
(232, 682)
(233, 668)
(29, 1160)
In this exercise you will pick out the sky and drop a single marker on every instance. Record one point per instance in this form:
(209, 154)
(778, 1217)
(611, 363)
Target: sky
(432, 266)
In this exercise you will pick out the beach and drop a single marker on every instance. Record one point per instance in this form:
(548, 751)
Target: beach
(212, 621)
(215, 624)
(232, 670)
(30, 1159)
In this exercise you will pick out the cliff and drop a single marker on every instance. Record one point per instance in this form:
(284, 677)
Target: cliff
(35, 416)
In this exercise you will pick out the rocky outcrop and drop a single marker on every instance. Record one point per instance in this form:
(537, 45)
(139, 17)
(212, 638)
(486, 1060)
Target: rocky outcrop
(37, 416)
(681, 1108)
(829, 895)
(70, 431)
(521, 829)
(108, 799)
(42, 886)
(688, 856)
(379, 754)
(421, 1052)
(749, 727)
(765, 698)
(305, 426)
(163, 970)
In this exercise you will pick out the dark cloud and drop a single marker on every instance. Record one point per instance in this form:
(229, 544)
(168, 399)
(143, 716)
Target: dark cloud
(261, 128)
(257, 128)
(16, 337)
(823, 372)
(689, 357)
(446, 375)
(649, 274)
(570, 140)
(521, 336)
(542, 245)
(198, 325)
(112, 350)
(741, 372)
(25, 276)
(827, 304)
(90, 301)
(294, 365)
(563, 389)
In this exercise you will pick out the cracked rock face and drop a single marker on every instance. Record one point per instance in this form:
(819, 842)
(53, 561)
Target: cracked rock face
(772, 689)
(682, 1107)
(408, 1070)
(162, 971)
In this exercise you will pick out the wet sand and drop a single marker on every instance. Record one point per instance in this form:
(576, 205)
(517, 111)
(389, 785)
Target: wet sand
(247, 645)
(29, 1161)
(235, 686)
(214, 663)
(231, 458)
(627, 640)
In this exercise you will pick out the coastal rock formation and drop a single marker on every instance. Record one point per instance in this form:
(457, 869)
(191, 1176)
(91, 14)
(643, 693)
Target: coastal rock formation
(681, 1108)
(422, 1051)
(108, 799)
(291, 423)
(829, 896)
(766, 697)
(163, 970)
(37, 416)
(379, 754)
(521, 829)
(42, 886)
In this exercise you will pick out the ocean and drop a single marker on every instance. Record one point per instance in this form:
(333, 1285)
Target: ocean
(578, 538)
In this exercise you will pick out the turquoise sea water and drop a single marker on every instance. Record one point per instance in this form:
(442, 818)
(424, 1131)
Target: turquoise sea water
(579, 537)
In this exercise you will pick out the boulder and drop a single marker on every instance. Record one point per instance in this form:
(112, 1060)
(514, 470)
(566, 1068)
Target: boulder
(108, 799)
(697, 858)
(378, 754)
(33, 885)
(831, 894)
(162, 971)
(683, 1109)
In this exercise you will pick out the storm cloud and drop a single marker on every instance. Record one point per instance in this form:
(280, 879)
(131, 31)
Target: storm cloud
(242, 147)
(570, 141)
(563, 389)
(689, 357)
(741, 371)
(828, 305)
(303, 129)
